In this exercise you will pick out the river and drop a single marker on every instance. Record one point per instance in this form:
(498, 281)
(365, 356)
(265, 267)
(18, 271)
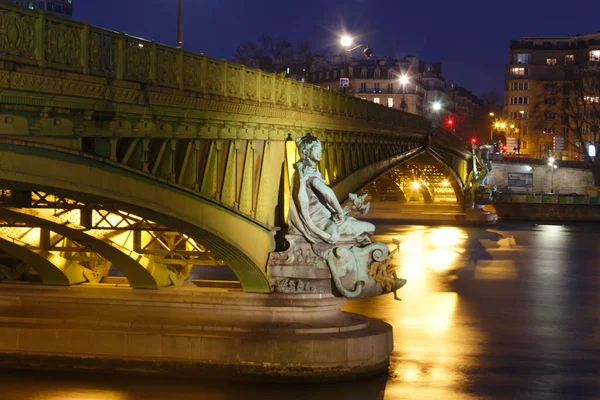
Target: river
(504, 312)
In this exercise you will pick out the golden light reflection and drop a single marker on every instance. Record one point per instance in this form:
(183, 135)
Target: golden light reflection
(80, 394)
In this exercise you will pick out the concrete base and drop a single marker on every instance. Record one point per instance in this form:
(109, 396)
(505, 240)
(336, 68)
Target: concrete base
(188, 332)
(479, 216)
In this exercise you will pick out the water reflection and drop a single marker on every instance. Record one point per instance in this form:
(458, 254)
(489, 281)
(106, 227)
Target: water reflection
(509, 312)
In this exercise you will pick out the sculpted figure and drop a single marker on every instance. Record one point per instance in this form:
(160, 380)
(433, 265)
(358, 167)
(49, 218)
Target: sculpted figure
(322, 234)
(315, 211)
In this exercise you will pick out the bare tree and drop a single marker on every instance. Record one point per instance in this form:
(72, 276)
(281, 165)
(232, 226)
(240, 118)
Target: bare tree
(573, 104)
(273, 55)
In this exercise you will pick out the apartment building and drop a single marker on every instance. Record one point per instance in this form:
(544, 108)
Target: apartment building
(378, 80)
(534, 81)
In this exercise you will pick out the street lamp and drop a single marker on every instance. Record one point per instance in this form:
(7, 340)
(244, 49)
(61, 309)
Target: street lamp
(436, 106)
(346, 41)
(403, 82)
(553, 166)
(179, 26)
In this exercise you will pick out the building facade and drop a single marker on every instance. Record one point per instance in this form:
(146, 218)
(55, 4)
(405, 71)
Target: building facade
(535, 80)
(378, 80)
(61, 8)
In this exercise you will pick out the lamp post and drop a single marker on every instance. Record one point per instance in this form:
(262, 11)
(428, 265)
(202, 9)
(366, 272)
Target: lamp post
(492, 128)
(403, 82)
(520, 131)
(346, 42)
(436, 106)
(552, 166)
(179, 25)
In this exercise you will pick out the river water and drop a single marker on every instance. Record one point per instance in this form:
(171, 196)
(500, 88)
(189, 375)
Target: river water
(507, 312)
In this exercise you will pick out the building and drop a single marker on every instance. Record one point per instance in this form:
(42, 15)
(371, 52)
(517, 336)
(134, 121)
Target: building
(534, 82)
(378, 80)
(61, 8)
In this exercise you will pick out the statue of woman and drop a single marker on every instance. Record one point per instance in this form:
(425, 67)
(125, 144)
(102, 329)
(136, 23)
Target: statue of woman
(314, 209)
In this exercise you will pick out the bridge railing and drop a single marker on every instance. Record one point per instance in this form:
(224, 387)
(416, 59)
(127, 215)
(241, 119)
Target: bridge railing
(32, 37)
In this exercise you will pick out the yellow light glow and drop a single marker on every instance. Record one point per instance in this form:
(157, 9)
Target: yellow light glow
(403, 80)
(445, 183)
(492, 114)
(416, 185)
(512, 126)
(503, 125)
(346, 41)
(497, 125)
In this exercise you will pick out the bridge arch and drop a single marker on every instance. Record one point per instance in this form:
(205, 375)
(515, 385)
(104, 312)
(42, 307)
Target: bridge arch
(242, 243)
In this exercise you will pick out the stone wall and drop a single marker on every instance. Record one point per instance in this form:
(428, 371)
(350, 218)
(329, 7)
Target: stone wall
(566, 180)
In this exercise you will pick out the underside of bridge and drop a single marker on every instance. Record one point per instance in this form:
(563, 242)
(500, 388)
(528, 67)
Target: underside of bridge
(425, 179)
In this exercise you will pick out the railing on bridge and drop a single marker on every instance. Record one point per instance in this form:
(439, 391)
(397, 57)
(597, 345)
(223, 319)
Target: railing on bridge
(35, 38)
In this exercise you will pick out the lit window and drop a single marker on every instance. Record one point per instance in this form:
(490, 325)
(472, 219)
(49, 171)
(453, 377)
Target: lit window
(390, 102)
(522, 58)
(376, 100)
(551, 61)
(591, 99)
(594, 55)
(549, 130)
(519, 71)
(569, 59)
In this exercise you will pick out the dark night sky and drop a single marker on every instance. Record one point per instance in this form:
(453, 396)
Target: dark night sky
(470, 37)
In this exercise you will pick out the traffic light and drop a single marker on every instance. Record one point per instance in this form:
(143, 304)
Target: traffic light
(473, 140)
(450, 122)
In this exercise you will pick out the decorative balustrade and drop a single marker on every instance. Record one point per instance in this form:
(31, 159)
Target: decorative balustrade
(32, 37)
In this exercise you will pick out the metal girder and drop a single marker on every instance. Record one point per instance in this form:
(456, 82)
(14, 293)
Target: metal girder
(53, 269)
(141, 271)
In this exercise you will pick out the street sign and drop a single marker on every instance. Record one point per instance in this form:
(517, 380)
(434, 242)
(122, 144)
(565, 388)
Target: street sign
(558, 143)
(344, 82)
(511, 145)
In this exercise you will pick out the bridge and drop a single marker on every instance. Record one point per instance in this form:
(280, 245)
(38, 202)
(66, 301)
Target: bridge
(123, 154)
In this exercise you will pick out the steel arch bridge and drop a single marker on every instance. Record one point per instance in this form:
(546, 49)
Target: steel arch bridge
(115, 150)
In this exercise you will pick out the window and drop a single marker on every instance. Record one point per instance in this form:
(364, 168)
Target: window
(549, 87)
(327, 75)
(519, 86)
(522, 58)
(363, 87)
(334, 74)
(376, 100)
(363, 73)
(569, 59)
(594, 55)
(550, 101)
(549, 130)
(591, 99)
(391, 74)
(519, 71)
(549, 116)
(350, 72)
(519, 100)
(376, 88)
(518, 115)
(551, 61)
(376, 73)
(320, 75)
(390, 88)
(390, 102)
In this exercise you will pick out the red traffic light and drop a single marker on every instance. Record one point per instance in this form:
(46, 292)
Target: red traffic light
(473, 140)
(449, 121)
(504, 147)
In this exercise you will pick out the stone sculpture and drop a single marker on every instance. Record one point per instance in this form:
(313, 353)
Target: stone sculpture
(324, 236)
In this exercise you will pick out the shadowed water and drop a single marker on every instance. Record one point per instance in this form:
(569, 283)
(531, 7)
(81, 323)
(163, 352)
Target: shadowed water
(509, 312)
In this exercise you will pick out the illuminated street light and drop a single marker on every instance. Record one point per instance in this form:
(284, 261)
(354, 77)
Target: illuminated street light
(403, 81)
(346, 41)
(416, 185)
(552, 166)
(437, 106)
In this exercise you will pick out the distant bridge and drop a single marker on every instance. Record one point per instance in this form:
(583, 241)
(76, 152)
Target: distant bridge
(118, 151)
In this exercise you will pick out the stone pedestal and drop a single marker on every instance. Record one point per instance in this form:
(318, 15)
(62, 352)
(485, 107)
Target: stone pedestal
(480, 216)
(188, 332)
